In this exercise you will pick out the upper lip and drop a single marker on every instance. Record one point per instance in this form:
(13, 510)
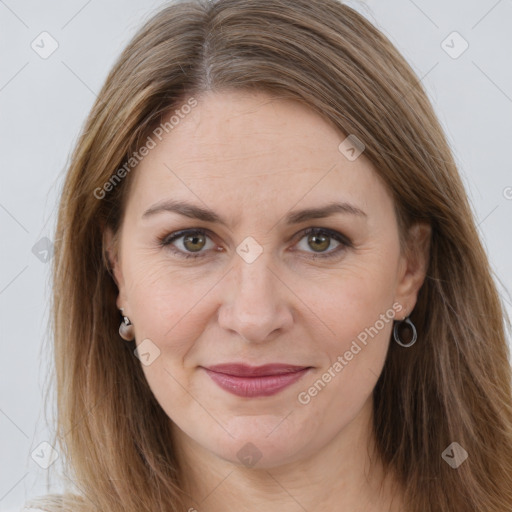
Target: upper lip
(244, 370)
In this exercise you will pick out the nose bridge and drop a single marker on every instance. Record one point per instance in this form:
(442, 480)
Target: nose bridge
(256, 307)
(255, 278)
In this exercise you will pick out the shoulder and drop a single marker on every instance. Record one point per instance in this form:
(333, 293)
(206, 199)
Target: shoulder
(33, 507)
(25, 508)
(45, 503)
(54, 503)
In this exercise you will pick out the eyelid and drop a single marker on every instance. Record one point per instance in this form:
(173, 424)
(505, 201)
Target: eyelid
(332, 233)
(343, 241)
(167, 240)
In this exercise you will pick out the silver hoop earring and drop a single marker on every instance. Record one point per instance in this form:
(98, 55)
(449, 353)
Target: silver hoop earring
(126, 330)
(399, 325)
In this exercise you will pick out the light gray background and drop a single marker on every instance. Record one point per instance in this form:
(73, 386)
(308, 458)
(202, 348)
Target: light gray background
(44, 102)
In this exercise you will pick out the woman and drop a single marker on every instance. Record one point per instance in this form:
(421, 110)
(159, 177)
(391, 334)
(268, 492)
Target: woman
(269, 290)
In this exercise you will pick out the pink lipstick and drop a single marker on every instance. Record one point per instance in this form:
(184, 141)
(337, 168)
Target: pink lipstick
(253, 381)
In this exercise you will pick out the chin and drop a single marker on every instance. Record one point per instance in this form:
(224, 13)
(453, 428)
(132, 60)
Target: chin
(256, 445)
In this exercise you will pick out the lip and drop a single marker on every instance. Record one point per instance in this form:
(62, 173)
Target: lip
(253, 381)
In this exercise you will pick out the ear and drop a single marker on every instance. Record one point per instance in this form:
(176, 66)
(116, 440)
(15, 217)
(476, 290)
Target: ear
(111, 245)
(413, 265)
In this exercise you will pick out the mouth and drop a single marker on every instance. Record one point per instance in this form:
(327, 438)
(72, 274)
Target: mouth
(255, 381)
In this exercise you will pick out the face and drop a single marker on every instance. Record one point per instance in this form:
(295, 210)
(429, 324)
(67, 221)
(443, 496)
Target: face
(256, 283)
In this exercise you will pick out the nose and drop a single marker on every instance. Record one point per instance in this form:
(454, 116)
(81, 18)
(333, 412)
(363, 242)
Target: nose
(257, 304)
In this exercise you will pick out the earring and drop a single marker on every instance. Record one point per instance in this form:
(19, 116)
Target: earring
(409, 325)
(126, 330)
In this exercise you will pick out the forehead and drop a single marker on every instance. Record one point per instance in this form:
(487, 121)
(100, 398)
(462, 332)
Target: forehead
(245, 128)
(253, 148)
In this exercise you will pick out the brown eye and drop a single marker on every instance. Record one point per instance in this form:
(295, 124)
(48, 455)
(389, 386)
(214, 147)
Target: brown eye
(187, 243)
(194, 242)
(319, 240)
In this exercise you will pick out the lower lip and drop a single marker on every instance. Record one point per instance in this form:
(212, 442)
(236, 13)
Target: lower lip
(255, 386)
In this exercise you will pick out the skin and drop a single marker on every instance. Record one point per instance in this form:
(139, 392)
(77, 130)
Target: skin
(252, 159)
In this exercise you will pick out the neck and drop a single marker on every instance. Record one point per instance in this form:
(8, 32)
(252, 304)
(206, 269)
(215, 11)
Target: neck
(346, 475)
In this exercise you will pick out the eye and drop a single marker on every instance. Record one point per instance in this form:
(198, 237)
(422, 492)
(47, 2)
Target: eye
(193, 241)
(320, 239)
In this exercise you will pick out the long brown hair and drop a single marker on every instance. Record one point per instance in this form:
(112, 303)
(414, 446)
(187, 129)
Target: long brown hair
(453, 385)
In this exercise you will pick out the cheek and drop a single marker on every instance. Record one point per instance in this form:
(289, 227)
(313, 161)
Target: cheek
(356, 310)
(173, 319)
(171, 312)
(335, 394)
(171, 309)
(353, 297)
(161, 294)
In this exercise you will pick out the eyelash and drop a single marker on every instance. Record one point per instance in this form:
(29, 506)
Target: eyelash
(166, 241)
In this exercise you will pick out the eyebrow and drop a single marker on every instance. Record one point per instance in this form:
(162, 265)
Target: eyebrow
(198, 212)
